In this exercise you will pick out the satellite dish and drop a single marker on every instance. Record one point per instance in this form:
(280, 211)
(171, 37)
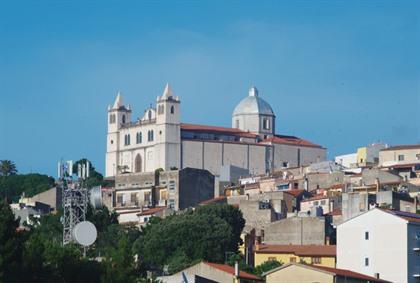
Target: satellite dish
(85, 233)
(96, 197)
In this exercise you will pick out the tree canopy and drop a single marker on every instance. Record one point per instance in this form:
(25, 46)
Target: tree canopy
(7, 168)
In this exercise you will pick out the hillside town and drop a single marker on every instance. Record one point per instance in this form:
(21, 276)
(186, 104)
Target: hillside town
(315, 218)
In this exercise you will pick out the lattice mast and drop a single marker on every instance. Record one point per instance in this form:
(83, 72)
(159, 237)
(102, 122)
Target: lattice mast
(75, 196)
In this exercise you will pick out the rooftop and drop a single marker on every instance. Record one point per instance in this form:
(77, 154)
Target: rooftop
(300, 250)
(216, 130)
(151, 211)
(290, 140)
(294, 192)
(404, 146)
(335, 271)
(231, 270)
(213, 200)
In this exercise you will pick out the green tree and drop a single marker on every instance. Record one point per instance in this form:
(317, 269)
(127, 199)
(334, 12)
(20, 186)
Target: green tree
(95, 178)
(266, 266)
(7, 168)
(180, 240)
(12, 186)
(10, 245)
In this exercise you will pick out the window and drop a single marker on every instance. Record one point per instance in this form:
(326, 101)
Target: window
(160, 109)
(127, 139)
(366, 235)
(171, 185)
(119, 199)
(418, 156)
(237, 123)
(272, 258)
(323, 202)
(112, 118)
(149, 114)
(137, 163)
(315, 260)
(133, 198)
(366, 261)
(293, 259)
(150, 135)
(401, 157)
(172, 109)
(266, 124)
(123, 119)
(138, 137)
(285, 164)
(316, 202)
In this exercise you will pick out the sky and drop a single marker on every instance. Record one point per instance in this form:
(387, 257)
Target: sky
(342, 74)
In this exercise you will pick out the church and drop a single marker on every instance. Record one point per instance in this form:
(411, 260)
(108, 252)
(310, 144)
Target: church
(159, 139)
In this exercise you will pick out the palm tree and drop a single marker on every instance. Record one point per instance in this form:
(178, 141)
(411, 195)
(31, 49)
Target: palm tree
(7, 168)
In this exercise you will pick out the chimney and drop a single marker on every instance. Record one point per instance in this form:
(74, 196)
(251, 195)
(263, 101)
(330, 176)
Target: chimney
(236, 269)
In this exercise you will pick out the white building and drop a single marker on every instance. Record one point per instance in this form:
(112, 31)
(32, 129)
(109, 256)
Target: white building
(158, 139)
(381, 243)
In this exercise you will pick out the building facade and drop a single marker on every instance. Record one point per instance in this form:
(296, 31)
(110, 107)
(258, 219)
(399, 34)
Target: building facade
(158, 139)
(381, 243)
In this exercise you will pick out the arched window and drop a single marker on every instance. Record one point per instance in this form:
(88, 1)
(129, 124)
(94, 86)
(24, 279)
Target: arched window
(137, 163)
(127, 139)
(237, 123)
(150, 114)
(150, 135)
(123, 119)
(266, 124)
(138, 137)
(172, 109)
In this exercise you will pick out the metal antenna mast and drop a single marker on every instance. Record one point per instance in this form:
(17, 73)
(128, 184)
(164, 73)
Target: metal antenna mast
(75, 197)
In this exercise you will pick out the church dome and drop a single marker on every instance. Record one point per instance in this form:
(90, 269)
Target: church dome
(253, 104)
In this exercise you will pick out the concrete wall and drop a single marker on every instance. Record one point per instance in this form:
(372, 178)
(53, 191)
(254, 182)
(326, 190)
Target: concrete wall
(354, 204)
(297, 274)
(385, 246)
(254, 216)
(53, 197)
(324, 180)
(195, 186)
(296, 231)
(212, 155)
(297, 155)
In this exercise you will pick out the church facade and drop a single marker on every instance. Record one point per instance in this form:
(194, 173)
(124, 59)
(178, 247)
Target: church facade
(159, 139)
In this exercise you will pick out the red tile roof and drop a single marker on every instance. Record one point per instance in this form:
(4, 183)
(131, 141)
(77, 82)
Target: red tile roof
(231, 270)
(218, 130)
(347, 273)
(290, 140)
(403, 146)
(295, 192)
(213, 200)
(151, 211)
(300, 250)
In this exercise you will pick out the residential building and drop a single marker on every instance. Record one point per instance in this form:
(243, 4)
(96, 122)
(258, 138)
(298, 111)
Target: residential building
(347, 160)
(175, 189)
(158, 139)
(52, 197)
(160, 211)
(324, 255)
(303, 273)
(206, 272)
(381, 243)
(326, 203)
(399, 155)
(369, 155)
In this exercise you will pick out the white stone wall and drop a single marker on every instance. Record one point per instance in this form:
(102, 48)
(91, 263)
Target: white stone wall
(386, 247)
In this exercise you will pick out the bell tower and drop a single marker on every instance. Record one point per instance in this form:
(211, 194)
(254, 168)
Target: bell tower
(118, 115)
(168, 130)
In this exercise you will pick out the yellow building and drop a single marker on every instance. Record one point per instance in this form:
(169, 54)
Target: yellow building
(322, 255)
(302, 273)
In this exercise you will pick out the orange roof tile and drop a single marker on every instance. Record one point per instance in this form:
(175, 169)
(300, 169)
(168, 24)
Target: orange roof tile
(231, 270)
(291, 140)
(347, 273)
(300, 250)
(213, 200)
(295, 192)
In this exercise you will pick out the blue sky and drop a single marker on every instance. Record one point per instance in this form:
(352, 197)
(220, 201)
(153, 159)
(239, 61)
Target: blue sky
(339, 73)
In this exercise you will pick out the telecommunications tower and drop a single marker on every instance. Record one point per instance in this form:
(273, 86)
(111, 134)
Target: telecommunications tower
(75, 197)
